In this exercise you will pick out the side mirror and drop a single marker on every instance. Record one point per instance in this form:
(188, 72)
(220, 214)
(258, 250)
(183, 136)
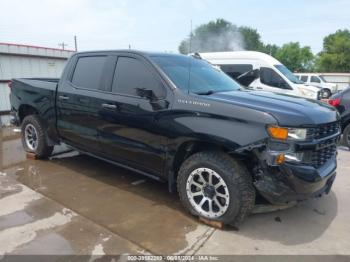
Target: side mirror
(146, 93)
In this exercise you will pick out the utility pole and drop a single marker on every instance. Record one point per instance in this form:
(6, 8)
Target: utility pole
(63, 44)
(190, 47)
(129, 46)
(75, 43)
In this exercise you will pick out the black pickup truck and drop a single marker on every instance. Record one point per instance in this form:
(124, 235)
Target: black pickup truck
(178, 119)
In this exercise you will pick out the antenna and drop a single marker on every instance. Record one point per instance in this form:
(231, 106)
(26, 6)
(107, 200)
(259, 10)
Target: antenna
(75, 43)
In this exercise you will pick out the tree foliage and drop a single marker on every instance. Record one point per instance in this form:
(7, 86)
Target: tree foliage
(221, 35)
(296, 58)
(335, 56)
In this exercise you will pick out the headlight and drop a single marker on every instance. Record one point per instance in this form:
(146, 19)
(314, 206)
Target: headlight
(306, 92)
(283, 133)
(294, 157)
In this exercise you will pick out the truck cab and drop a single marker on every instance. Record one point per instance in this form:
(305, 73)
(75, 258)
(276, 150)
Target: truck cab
(271, 75)
(319, 81)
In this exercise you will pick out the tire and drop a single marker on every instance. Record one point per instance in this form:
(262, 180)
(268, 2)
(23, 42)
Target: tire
(33, 129)
(326, 93)
(239, 193)
(346, 136)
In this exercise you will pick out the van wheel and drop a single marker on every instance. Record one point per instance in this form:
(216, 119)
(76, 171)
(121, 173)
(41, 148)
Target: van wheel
(34, 137)
(346, 136)
(217, 187)
(326, 93)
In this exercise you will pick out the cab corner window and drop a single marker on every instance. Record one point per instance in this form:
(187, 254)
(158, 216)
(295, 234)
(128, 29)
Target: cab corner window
(88, 72)
(132, 75)
(271, 78)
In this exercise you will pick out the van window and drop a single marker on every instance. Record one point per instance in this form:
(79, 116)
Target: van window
(315, 79)
(271, 78)
(236, 70)
(303, 78)
(131, 75)
(88, 72)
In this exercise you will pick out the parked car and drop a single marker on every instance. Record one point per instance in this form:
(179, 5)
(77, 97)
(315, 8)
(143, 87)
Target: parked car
(269, 74)
(341, 101)
(319, 81)
(178, 119)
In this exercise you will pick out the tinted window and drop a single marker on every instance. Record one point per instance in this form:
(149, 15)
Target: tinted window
(303, 78)
(131, 75)
(88, 71)
(236, 70)
(271, 78)
(315, 79)
(193, 74)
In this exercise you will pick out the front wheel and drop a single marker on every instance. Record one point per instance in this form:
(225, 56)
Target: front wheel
(215, 186)
(34, 137)
(346, 136)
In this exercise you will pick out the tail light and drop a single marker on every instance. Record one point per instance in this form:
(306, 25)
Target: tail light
(9, 83)
(334, 101)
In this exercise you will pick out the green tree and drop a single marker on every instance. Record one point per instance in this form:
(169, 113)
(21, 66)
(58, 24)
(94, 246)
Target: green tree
(271, 49)
(335, 56)
(251, 39)
(296, 58)
(221, 35)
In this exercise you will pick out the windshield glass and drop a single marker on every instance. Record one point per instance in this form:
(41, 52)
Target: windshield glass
(195, 75)
(291, 77)
(324, 80)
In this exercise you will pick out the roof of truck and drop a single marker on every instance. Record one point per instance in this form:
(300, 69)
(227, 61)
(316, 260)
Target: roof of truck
(132, 51)
(253, 55)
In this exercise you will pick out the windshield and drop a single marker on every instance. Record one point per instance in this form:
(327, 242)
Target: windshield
(324, 80)
(291, 77)
(195, 75)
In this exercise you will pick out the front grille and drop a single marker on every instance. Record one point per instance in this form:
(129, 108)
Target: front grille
(321, 156)
(323, 131)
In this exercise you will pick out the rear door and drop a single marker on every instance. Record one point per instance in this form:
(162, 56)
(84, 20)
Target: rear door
(79, 102)
(130, 133)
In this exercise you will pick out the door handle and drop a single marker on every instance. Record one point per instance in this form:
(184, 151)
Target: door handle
(63, 97)
(259, 87)
(109, 106)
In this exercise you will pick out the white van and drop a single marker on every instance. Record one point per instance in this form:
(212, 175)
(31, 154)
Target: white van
(266, 73)
(318, 80)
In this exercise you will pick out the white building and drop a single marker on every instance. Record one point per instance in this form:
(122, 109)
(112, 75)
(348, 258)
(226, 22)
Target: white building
(21, 61)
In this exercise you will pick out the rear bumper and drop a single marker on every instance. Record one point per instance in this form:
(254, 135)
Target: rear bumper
(292, 182)
(15, 118)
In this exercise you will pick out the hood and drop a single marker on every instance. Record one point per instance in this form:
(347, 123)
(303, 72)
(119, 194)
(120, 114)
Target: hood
(286, 109)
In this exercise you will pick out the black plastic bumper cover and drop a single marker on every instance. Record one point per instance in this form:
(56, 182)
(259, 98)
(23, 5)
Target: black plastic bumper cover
(291, 182)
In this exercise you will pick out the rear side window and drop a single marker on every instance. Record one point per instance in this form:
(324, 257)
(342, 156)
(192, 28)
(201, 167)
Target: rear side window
(88, 72)
(303, 78)
(236, 70)
(131, 75)
(271, 78)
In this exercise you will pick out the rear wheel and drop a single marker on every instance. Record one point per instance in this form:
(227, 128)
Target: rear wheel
(217, 187)
(346, 136)
(326, 93)
(34, 137)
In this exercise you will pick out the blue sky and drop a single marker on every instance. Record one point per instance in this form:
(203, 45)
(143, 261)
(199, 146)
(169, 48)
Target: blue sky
(161, 25)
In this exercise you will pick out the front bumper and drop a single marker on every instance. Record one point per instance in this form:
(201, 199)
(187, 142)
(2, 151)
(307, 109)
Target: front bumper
(293, 182)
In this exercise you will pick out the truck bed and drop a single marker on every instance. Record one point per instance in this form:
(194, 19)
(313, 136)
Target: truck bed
(36, 93)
